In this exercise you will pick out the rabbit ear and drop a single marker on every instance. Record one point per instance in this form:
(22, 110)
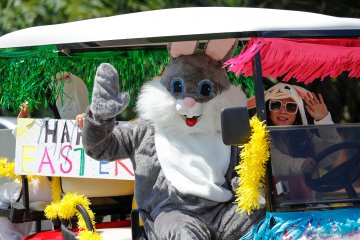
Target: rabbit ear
(301, 91)
(177, 49)
(221, 49)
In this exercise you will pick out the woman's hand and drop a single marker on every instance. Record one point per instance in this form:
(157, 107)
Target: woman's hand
(80, 120)
(24, 110)
(308, 166)
(316, 106)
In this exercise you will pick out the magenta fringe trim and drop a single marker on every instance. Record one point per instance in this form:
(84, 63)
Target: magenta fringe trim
(302, 59)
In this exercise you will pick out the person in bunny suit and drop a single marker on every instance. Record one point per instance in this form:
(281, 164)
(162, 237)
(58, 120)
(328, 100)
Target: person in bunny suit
(183, 171)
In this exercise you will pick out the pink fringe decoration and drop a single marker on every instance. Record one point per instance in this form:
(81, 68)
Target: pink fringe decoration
(302, 59)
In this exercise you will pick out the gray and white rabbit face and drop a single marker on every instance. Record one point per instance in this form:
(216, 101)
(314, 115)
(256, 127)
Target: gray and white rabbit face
(193, 81)
(158, 105)
(196, 76)
(189, 96)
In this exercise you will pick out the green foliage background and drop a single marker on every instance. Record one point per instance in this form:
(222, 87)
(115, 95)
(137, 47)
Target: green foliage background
(18, 14)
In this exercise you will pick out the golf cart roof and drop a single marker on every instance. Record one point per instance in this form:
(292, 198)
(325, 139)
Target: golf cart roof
(161, 26)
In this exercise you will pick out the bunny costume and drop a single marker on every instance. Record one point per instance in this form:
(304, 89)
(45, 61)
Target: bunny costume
(183, 172)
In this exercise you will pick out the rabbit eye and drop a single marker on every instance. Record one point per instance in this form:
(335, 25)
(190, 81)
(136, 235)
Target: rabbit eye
(205, 88)
(177, 86)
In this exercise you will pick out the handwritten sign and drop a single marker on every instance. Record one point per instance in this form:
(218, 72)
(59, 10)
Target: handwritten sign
(52, 147)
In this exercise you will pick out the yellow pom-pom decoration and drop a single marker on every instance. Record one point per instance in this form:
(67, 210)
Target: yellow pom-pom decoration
(66, 209)
(252, 168)
(51, 211)
(7, 169)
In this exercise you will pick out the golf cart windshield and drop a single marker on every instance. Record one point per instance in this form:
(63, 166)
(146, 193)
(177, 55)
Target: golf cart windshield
(336, 177)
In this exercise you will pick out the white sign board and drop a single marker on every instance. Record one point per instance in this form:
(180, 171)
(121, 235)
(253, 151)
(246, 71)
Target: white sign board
(52, 147)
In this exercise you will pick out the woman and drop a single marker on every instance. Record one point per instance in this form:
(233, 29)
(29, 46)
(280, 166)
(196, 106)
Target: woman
(292, 151)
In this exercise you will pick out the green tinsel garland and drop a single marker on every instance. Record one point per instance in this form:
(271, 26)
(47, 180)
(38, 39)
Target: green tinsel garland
(25, 74)
(134, 67)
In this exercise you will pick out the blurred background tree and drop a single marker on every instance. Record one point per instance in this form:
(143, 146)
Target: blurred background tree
(18, 14)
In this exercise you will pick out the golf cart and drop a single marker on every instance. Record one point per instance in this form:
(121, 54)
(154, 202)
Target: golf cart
(136, 45)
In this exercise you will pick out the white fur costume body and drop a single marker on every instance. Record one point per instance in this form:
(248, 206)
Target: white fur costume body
(197, 169)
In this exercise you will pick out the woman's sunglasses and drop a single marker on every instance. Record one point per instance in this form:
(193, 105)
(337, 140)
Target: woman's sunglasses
(276, 105)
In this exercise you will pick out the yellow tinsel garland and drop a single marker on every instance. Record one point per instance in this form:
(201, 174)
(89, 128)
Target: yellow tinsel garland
(252, 167)
(55, 189)
(66, 209)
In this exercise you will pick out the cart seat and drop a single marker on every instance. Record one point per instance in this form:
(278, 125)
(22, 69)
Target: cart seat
(115, 233)
(91, 187)
(38, 205)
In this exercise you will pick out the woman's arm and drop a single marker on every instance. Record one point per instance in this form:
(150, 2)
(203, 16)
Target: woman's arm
(285, 165)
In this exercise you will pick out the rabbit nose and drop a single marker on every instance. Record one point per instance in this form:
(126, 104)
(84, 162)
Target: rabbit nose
(189, 102)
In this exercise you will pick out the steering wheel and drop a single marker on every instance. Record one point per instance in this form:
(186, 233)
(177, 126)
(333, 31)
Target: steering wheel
(339, 177)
